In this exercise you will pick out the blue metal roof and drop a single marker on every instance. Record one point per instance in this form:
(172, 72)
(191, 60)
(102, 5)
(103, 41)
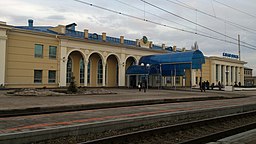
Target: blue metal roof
(37, 28)
(194, 57)
(71, 32)
(169, 64)
(137, 70)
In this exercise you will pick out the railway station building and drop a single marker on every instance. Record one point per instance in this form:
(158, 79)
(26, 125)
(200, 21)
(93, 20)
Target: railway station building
(48, 56)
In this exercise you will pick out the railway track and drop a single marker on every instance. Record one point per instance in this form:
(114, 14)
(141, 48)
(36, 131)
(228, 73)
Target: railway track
(200, 131)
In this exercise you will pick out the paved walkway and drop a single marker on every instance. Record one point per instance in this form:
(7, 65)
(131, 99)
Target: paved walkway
(122, 95)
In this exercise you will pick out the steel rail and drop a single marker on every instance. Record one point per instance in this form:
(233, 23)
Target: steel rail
(124, 138)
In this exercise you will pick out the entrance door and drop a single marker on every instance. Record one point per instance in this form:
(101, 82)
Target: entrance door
(132, 81)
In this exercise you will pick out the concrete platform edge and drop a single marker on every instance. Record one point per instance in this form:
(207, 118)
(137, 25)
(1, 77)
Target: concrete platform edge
(66, 108)
(40, 135)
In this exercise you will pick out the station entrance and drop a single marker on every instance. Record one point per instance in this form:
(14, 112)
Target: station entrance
(167, 70)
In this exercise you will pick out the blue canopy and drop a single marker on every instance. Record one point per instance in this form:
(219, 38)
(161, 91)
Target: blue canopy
(168, 64)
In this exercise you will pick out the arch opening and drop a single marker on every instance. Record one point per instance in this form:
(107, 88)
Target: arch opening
(75, 68)
(112, 71)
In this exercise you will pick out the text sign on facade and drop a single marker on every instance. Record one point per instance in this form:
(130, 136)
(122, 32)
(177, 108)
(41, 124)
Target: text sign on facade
(230, 55)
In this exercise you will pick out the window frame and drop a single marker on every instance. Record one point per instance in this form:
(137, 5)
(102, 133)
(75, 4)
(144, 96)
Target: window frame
(69, 70)
(52, 56)
(51, 80)
(42, 51)
(81, 70)
(38, 80)
(100, 72)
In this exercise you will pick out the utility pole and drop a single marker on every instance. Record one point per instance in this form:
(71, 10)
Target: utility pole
(239, 52)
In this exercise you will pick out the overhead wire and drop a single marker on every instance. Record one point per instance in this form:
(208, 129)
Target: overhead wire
(236, 9)
(182, 4)
(157, 23)
(155, 6)
(158, 16)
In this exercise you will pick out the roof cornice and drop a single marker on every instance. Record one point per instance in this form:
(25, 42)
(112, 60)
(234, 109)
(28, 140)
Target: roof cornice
(226, 59)
(110, 44)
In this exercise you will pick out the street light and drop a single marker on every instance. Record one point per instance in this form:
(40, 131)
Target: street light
(146, 79)
(148, 68)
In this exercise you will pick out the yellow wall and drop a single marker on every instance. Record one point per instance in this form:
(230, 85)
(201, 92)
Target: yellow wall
(111, 71)
(21, 62)
(206, 68)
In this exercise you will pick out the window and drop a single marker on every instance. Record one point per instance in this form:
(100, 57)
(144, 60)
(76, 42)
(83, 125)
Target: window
(39, 50)
(100, 72)
(168, 79)
(69, 70)
(177, 80)
(52, 52)
(51, 76)
(38, 74)
(81, 70)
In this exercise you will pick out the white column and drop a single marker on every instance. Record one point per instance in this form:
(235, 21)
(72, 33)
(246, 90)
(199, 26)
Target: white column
(63, 66)
(219, 74)
(238, 75)
(242, 75)
(128, 80)
(121, 71)
(85, 72)
(193, 77)
(103, 73)
(233, 75)
(213, 78)
(3, 38)
(224, 75)
(229, 75)
(174, 80)
(121, 74)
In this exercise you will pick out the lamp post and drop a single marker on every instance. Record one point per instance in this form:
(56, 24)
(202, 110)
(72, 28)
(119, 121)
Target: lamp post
(148, 69)
(147, 78)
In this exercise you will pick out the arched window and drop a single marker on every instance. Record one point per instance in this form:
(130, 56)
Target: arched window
(81, 70)
(100, 72)
(69, 70)
(89, 72)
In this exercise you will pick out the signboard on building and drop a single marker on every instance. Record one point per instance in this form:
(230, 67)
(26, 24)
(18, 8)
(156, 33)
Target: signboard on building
(230, 55)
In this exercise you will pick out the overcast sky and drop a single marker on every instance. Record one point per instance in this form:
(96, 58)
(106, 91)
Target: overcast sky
(241, 12)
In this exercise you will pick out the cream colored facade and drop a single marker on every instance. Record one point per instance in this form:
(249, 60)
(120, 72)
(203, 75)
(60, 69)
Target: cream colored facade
(227, 71)
(18, 61)
(104, 62)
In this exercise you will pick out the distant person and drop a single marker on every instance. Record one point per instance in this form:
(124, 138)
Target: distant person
(239, 84)
(219, 85)
(212, 86)
(144, 85)
(203, 86)
(235, 85)
(207, 84)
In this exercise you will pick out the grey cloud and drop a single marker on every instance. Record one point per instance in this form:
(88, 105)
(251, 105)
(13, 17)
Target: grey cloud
(56, 17)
